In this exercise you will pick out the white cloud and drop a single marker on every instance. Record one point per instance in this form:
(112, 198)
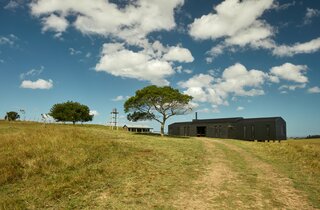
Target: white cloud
(187, 71)
(132, 22)
(180, 70)
(129, 23)
(88, 55)
(310, 13)
(74, 51)
(285, 6)
(200, 80)
(120, 98)
(94, 112)
(236, 80)
(315, 89)
(290, 72)
(55, 23)
(232, 17)
(32, 72)
(291, 87)
(118, 61)
(298, 48)
(9, 40)
(12, 5)
(240, 108)
(178, 54)
(39, 84)
(237, 23)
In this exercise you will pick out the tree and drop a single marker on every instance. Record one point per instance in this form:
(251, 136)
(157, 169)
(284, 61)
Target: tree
(157, 103)
(12, 116)
(71, 112)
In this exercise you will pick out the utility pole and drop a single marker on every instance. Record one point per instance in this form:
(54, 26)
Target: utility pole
(114, 117)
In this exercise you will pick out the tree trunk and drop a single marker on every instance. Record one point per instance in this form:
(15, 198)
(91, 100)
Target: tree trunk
(74, 122)
(162, 129)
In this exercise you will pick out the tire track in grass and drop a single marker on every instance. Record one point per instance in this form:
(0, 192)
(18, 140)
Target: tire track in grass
(206, 189)
(221, 186)
(277, 189)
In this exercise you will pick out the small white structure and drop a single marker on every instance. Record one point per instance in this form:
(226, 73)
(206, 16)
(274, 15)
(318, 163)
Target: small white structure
(137, 128)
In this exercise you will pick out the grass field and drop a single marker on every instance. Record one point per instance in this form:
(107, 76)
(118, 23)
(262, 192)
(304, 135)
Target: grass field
(93, 167)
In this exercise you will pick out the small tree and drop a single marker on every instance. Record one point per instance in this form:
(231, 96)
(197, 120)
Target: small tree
(12, 116)
(71, 112)
(157, 103)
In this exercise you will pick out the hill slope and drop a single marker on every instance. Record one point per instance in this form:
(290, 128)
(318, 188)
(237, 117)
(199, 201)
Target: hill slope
(65, 166)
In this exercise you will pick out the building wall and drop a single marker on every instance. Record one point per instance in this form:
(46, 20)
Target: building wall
(246, 129)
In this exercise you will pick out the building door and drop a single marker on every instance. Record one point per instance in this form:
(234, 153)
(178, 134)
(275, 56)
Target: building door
(201, 131)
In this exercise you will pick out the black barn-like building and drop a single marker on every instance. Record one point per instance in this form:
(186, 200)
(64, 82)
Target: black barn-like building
(269, 128)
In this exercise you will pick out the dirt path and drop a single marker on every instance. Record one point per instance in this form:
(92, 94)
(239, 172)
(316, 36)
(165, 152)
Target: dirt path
(235, 179)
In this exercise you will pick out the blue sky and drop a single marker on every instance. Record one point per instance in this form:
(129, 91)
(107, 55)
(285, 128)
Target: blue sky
(236, 58)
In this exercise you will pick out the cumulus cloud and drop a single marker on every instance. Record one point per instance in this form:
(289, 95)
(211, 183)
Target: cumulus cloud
(132, 22)
(290, 72)
(230, 18)
(149, 64)
(54, 23)
(178, 54)
(235, 80)
(118, 61)
(315, 89)
(238, 23)
(39, 84)
(132, 55)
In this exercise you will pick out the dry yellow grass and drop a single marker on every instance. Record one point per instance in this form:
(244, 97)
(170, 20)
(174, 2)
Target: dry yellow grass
(65, 166)
(93, 167)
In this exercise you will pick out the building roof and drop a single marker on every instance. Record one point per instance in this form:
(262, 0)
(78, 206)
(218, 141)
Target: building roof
(263, 118)
(228, 120)
(219, 120)
(137, 126)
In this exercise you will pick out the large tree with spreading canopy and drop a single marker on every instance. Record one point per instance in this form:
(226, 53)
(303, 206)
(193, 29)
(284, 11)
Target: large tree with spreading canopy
(157, 103)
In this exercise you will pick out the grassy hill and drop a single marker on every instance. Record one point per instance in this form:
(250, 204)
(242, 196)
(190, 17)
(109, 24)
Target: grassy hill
(93, 167)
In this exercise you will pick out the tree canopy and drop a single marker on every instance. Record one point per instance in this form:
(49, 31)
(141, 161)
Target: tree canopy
(71, 112)
(12, 116)
(157, 103)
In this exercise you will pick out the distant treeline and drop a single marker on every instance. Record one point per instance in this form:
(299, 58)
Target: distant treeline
(313, 137)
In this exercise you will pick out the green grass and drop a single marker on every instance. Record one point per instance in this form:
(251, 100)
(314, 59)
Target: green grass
(65, 166)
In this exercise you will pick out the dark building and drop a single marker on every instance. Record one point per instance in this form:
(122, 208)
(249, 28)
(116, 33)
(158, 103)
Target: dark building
(269, 128)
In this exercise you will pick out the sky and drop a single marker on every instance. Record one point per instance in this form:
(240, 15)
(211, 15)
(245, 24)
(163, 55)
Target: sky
(236, 58)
